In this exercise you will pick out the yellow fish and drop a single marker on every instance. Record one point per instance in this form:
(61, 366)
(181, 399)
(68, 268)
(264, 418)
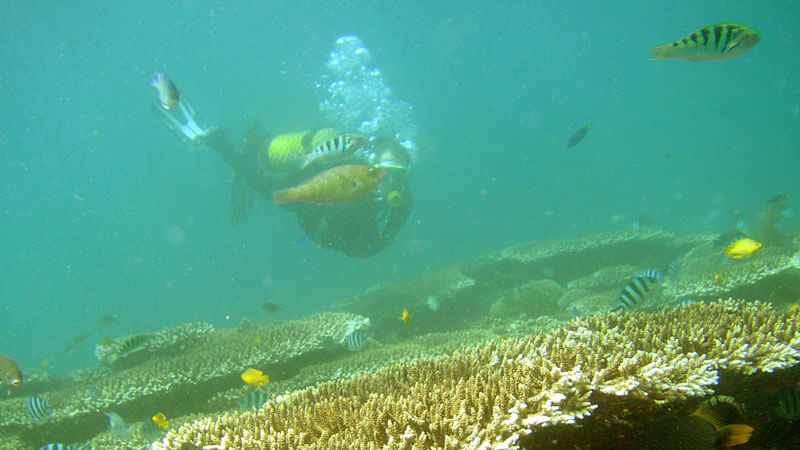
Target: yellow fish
(743, 247)
(161, 420)
(718, 280)
(254, 377)
(722, 41)
(406, 316)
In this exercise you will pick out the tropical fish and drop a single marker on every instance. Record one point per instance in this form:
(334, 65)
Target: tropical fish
(255, 377)
(119, 428)
(148, 430)
(406, 316)
(269, 308)
(161, 420)
(718, 280)
(788, 403)
(129, 345)
(59, 446)
(253, 400)
(37, 409)
(168, 94)
(633, 293)
(578, 135)
(107, 321)
(674, 268)
(706, 428)
(651, 273)
(333, 149)
(75, 343)
(743, 248)
(339, 184)
(710, 43)
(10, 374)
(356, 341)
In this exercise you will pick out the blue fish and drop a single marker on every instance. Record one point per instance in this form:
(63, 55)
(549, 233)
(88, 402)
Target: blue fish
(38, 410)
(578, 135)
(356, 341)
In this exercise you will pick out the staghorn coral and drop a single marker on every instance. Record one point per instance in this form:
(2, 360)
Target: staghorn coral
(181, 382)
(495, 395)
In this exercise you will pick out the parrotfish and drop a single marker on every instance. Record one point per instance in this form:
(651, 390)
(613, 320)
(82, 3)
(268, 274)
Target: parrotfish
(168, 94)
(339, 184)
(721, 41)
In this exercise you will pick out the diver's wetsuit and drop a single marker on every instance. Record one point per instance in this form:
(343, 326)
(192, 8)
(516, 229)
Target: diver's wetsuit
(360, 228)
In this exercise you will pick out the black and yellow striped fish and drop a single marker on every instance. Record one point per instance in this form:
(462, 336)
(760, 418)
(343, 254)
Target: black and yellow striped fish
(721, 41)
(636, 290)
(335, 148)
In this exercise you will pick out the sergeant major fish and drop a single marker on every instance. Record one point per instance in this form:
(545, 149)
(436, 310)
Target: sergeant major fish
(335, 148)
(168, 94)
(635, 291)
(721, 41)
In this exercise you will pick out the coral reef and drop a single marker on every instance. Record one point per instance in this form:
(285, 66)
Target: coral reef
(129, 351)
(180, 382)
(467, 286)
(773, 274)
(502, 393)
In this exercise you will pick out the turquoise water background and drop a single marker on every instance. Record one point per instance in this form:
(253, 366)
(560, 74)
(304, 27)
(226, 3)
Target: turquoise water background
(95, 193)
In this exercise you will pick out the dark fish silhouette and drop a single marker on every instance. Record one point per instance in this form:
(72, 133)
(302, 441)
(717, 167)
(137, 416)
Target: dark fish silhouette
(578, 135)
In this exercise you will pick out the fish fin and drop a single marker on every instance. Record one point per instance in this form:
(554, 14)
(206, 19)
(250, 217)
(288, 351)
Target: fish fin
(662, 51)
(736, 434)
(705, 411)
(284, 196)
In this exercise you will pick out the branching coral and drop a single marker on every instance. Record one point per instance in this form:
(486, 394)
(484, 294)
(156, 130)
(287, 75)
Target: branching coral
(495, 394)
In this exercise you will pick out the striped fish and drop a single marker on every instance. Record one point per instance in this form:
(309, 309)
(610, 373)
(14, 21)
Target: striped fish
(789, 403)
(132, 343)
(38, 410)
(253, 400)
(58, 446)
(635, 291)
(721, 41)
(674, 268)
(651, 273)
(335, 148)
(356, 341)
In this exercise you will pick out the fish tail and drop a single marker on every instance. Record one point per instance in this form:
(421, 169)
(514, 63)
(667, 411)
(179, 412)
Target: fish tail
(288, 195)
(661, 52)
(736, 434)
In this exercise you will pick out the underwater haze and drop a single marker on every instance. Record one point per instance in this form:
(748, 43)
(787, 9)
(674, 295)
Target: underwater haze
(106, 213)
